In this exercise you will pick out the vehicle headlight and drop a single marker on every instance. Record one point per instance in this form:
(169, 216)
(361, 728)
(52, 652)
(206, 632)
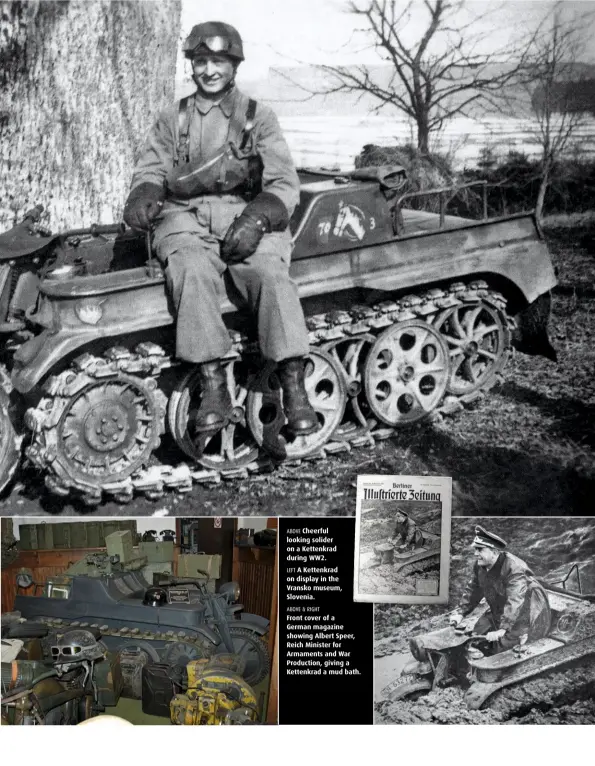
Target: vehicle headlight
(231, 590)
(418, 650)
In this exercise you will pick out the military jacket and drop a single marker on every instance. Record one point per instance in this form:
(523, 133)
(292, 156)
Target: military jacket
(508, 587)
(406, 530)
(210, 127)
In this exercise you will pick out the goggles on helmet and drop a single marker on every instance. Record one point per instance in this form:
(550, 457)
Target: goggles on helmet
(66, 651)
(213, 44)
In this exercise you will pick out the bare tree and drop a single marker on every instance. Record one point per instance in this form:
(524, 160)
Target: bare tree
(555, 77)
(80, 83)
(442, 66)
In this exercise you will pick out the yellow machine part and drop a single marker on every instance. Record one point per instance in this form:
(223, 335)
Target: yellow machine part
(214, 692)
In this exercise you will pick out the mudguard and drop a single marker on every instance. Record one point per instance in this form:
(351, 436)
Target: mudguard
(208, 633)
(443, 639)
(255, 622)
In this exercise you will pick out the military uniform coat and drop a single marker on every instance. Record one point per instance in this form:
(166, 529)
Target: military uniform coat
(408, 533)
(518, 602)
(188, 234)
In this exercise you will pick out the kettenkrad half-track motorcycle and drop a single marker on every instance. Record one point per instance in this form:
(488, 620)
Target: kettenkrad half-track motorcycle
(173, 623)
(564, 660)
(406, 560)
(409, 312)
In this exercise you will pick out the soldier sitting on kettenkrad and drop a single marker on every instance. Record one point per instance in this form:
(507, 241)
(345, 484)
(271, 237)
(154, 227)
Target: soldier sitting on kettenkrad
(519, 611)
(216, 183)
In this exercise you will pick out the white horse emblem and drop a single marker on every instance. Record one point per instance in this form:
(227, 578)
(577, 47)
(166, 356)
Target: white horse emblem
(350, 223)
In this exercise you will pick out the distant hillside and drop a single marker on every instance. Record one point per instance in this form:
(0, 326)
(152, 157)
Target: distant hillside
(287, 90)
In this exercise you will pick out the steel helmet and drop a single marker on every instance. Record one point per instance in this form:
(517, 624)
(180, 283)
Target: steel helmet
(75, 646)
(155, 597)
(214, 37)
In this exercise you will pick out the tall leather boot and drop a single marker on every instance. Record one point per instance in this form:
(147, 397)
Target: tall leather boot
(301, 418)
(215, 405)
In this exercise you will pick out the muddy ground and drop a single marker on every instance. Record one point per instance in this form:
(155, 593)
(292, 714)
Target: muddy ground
(377, 526)
(551, 547)
(527, 449)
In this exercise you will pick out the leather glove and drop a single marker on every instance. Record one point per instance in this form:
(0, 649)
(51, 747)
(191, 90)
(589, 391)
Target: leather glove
(264, 214)
(144, 203)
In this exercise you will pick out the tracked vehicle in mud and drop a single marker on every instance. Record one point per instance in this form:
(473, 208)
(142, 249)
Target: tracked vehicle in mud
(410, 560)
(409, 312)
(514, 680)
(173, 623)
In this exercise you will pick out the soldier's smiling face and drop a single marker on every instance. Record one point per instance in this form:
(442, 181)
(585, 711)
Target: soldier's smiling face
(486, 557)
(213, 72)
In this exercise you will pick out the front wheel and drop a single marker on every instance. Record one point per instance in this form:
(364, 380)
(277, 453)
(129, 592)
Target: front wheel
(10, 452)
(252, 649)
(411, 687)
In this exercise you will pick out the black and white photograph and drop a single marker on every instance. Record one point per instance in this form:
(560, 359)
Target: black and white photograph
(250, 251)
(402, 538)
(516, 643)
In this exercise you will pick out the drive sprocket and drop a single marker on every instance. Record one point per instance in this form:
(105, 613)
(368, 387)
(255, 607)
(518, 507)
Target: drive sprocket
(95, 427)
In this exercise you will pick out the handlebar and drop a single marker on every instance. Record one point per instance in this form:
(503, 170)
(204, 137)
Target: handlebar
(187, 580)
(95, 230)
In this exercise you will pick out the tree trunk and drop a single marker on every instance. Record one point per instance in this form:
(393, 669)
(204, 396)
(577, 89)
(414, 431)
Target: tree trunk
(80, 84)
(423, 137)
(543, 184)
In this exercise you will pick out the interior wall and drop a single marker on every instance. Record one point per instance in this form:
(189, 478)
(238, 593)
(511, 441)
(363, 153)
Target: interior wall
(143, 524)
(252, 522)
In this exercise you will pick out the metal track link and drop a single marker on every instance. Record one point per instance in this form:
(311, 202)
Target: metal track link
(148, 360)
(169, 636)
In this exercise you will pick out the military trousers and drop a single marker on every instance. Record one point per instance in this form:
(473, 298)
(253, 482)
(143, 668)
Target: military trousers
(524, 628)
(187, 242)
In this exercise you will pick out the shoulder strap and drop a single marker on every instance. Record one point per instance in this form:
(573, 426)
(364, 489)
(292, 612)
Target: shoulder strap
(249, 126)
(241, 124)
(183, 147)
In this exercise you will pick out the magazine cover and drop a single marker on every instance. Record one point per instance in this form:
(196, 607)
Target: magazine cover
(402, 539)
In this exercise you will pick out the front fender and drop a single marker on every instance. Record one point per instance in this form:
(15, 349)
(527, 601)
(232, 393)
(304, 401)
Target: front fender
(208, 633)
(78, 312)
(255, 622)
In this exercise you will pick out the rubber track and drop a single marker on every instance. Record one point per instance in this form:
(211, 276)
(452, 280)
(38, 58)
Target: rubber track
(149, 360)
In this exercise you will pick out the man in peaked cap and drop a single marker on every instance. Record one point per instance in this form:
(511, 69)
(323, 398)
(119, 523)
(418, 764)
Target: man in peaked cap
(518, 606)
(216, 185)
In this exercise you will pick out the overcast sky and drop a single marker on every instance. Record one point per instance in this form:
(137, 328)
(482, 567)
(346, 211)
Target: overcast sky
(286, 32)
